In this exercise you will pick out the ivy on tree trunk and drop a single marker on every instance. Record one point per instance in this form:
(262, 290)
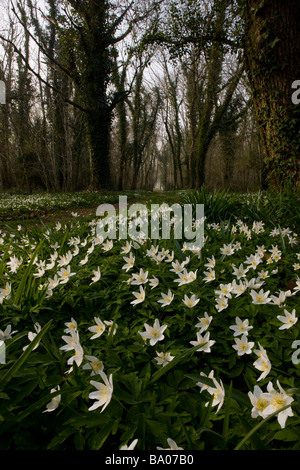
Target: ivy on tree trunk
(272, 49)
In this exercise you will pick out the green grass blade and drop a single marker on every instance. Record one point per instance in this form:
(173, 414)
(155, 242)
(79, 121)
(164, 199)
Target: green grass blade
(24, 281)
(227, 414)
(4, 257)
(20, 361)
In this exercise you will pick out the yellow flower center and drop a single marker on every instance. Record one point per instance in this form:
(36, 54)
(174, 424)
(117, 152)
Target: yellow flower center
(97, 365)
(154, 333)
(217, 393)
(103, 392)
(278, 402)
(264, 366)
(261, 404)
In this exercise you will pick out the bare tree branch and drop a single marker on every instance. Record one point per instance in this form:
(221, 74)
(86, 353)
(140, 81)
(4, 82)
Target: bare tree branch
(37, 75)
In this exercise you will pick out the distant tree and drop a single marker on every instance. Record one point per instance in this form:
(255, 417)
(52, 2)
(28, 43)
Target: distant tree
(201, 35)
(22, 109)
(135, 123)
(172, 118)
(143, 107)
(6, 75)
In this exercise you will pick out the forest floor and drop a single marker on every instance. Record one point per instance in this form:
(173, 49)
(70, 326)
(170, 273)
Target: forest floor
(47, 209)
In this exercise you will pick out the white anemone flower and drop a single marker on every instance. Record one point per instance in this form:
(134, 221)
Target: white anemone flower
(130, 446)
(263, 362)
(94, 364)
(6, 334)
(243, 346)
(139, 296)
(32, 335)
(277, 400)
(260, 298)
(153, 282)
(204, 342)
(288, 319)
(129, 262)
(71, 341)
(217, 389)
(172, 445)
(55, 401)
(190, 301)
(153, 333)
(209, 275)
(204, 322)
(163, 358)
(140, 278)
(258, 402)
(241, 327)
(97, 275)
(103, 393)
(166, 298)
(98, 329)
(65, 274)
(5, 293)
(222, 303)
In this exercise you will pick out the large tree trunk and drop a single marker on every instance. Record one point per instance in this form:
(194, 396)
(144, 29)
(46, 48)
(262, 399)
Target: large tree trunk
(98, 128)
(272, 49)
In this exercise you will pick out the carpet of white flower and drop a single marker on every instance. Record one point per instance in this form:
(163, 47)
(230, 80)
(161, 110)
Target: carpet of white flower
(16, 204)
(126, 312)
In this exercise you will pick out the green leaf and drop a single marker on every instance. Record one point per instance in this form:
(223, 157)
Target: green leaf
(20, 361)
(24, 281)
(227, 413)
(179, 250)
(79, 441)
(287, 435)
(2, 265)
(103, 434)
(124, 396)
